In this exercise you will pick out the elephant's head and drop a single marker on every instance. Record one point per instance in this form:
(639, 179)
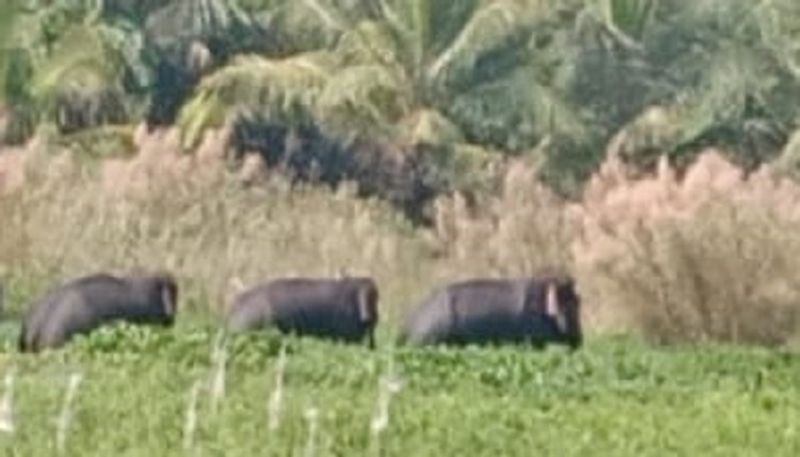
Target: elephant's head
(562, 304)
(162, 290)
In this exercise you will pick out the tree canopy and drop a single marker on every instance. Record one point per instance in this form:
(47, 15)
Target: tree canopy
(451, 84)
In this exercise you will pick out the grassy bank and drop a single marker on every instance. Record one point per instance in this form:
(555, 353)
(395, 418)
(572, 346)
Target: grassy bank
(615, 397)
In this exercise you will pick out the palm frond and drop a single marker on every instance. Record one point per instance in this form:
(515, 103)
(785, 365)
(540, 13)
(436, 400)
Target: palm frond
(8, 14)
(364, 99)
(788, 161)
(83, 74)
(491, 28)
(467, 166)
(184, 21)
(78, 60)
(516, 112)
(369, 42)
(425, 28)
(325, 14)
(280, 90)
(733, 92)
(410, 23)
(778, 22)
(429, 127)
(628, 19)
(735, 76)
(305, 25)
(203, 111)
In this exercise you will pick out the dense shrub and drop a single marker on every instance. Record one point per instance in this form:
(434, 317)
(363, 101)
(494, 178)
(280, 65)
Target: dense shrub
(710, 256)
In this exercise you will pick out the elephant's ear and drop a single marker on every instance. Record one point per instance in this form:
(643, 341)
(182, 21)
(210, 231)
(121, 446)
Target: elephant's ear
(551, 300)
(168, 298)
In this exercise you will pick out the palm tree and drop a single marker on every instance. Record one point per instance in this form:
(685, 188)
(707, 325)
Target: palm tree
(84, 63)
(71, 67)
(188, 38)
(14, 117)
(467, 64)
(708, 72)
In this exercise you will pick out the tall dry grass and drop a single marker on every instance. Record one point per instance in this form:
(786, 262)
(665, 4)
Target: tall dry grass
(523, 230)
(711, 255)
(190, 214)
(217, 227)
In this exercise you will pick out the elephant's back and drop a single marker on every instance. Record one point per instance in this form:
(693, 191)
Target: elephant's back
(305, 305)
(316, 307)
(489, 310)
(101, 295)
(471, 311)
(486, 296)
(76, 306)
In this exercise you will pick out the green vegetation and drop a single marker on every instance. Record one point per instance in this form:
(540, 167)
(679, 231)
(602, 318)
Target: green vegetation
(649, 148)
(616, 397)
(343, 86)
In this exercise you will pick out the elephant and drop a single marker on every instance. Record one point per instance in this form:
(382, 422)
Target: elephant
(479, 311)
(344, 309)
(89, 302)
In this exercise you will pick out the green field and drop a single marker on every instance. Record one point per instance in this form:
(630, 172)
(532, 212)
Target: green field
(614, 397)
(650, 149)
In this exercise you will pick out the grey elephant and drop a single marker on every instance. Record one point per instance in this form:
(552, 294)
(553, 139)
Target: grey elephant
(479, 311)
(343, 309)
(84, 304)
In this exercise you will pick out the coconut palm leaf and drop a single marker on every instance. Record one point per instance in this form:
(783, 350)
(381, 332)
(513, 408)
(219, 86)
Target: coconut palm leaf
(429, 127)
(279, 90)
(779, 27)
(91, 64)
(8, 12)
(516, 113)
(6, 22)
(364, 100)
(304, 25)
(79, 60)
(628, 20)
(16, 116)
(443, 51)
(184, 21)
(425, 27)
(491, 28)
(67, 58)
(736, 99)
(133, 11)
(370, 42)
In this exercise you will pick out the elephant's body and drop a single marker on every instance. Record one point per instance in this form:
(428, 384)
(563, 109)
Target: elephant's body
(344, 309)
(84, 304)
(485, 311)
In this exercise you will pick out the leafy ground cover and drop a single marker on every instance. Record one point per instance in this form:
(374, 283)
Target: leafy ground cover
(616, 396)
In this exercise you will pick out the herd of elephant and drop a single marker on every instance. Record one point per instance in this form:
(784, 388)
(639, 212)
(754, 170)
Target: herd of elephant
(530, 310)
